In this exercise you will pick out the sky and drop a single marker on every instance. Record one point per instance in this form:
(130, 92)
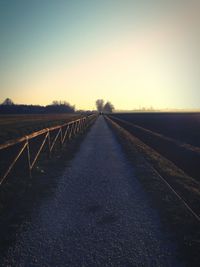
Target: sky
(133, 53)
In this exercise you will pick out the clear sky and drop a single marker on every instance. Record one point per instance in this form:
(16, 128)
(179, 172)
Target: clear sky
(133, 53)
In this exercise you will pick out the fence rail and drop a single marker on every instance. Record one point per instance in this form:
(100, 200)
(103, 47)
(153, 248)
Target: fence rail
(118, 124)
(50, 137)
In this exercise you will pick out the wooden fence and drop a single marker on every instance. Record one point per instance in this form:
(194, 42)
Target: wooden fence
(49, 137)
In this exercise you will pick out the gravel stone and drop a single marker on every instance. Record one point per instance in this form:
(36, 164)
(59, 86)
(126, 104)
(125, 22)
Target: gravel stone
(99, 215)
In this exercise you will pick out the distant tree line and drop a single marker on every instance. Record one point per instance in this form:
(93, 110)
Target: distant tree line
(8, 107)
(104, 108)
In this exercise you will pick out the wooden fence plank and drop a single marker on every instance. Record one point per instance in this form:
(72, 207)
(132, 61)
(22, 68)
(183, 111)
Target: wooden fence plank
(72, 129)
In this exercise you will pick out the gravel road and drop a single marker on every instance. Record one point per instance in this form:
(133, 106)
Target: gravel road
(98, 216)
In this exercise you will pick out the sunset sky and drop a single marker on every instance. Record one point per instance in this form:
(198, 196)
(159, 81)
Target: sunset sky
(133, 53)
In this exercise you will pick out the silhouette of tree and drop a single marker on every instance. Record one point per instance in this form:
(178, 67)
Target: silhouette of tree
(8, 107)
(100, 105)
(108, 107)
(8, 102)
(60, 107)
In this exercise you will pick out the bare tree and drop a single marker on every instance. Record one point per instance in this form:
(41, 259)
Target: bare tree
(60, 107)
(100, 105)
(8, 102)
(55, 103)
(108, 107)
(60, 103)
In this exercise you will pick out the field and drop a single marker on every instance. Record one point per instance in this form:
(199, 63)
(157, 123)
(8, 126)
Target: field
(173, 135)
(14, 126)
(47, 172)
(154, 172)
(184, 127)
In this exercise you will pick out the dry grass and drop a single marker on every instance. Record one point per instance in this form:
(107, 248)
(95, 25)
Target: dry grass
(174, 214)
(185, 156)
(14, 126)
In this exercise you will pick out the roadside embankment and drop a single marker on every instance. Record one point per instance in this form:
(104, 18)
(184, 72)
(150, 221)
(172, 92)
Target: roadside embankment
(153, 170)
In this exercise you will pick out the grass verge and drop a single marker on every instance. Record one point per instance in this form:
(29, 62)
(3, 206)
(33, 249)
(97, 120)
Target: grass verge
(20, 194)
(174, 215)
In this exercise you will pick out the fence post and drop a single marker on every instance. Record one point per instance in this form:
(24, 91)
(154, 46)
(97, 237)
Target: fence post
(29, 157)
(72, 129)
(49, 144)
(61, 137)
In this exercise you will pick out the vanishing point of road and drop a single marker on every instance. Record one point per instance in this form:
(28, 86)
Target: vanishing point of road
(99, 215)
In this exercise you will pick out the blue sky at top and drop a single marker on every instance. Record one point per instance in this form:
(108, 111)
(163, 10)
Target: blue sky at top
(125, 51)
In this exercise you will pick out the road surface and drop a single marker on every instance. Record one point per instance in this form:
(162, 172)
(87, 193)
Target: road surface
(98, 216)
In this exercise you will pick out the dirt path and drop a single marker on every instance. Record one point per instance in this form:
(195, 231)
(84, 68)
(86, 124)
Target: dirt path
(98, 216)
